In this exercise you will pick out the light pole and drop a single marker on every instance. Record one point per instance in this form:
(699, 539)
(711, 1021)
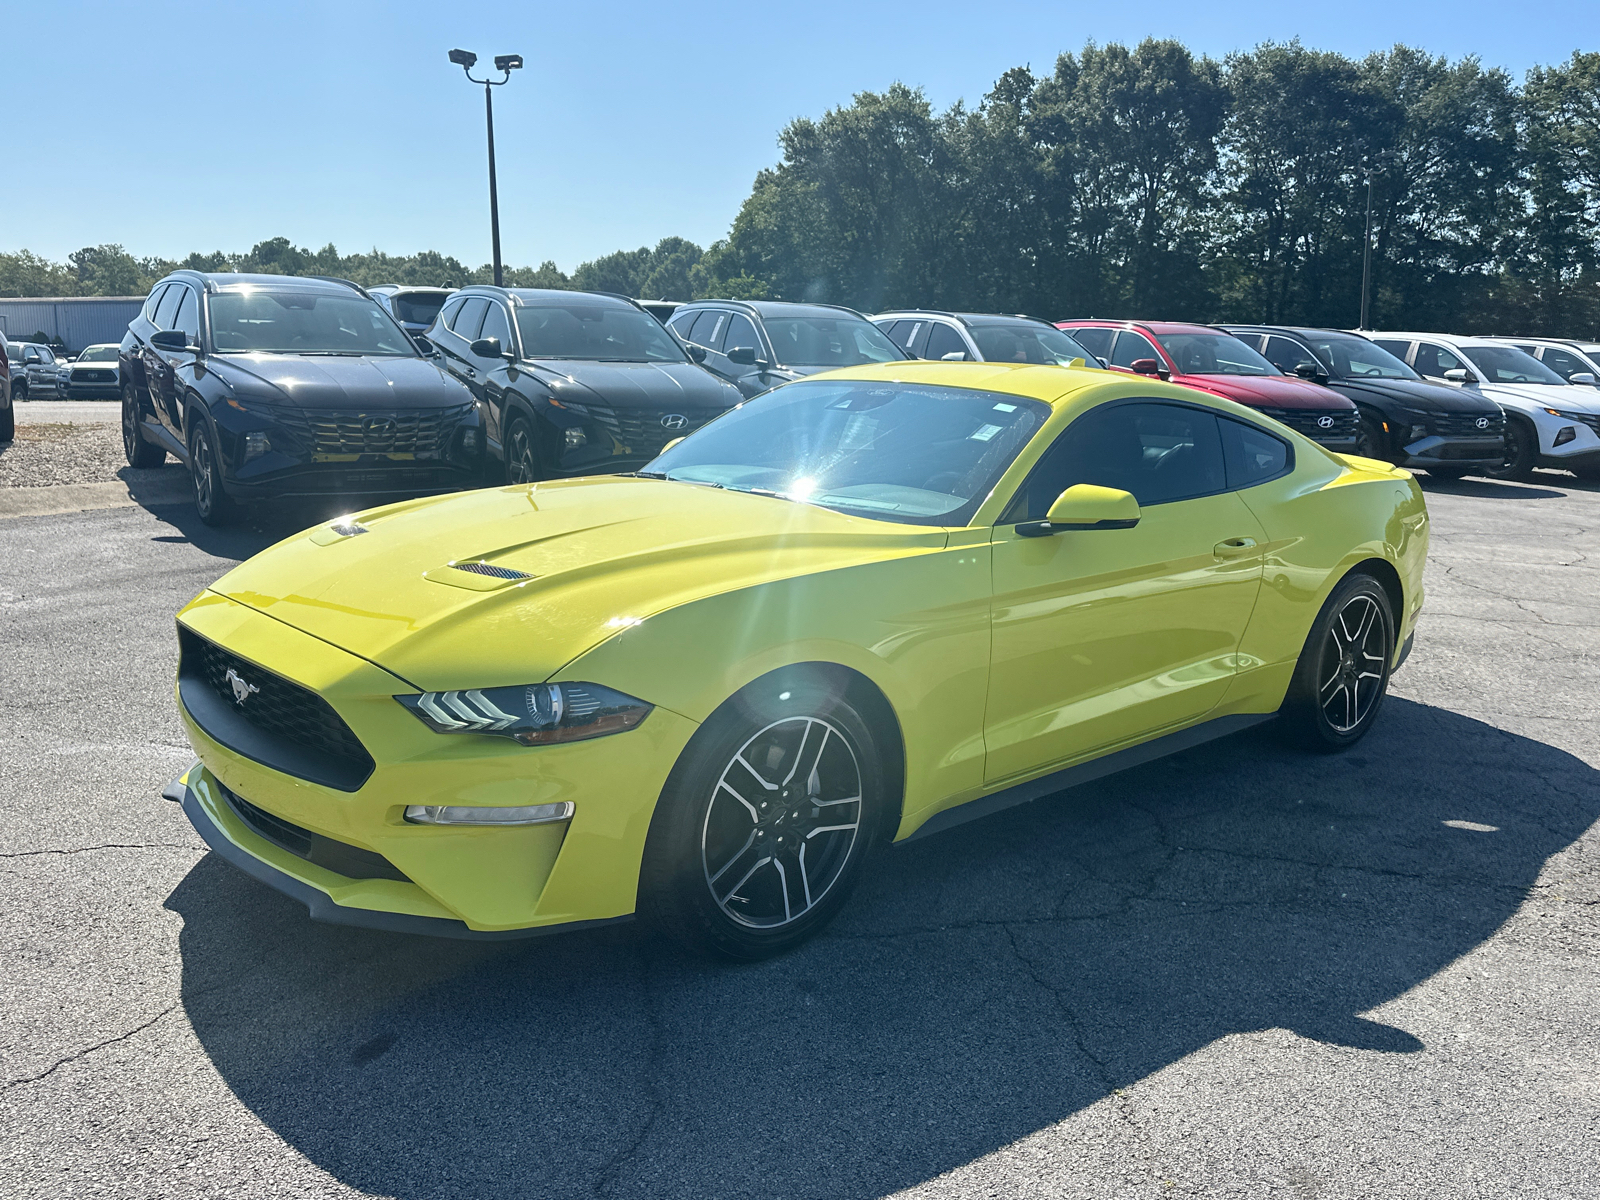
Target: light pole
(505, 64)
(1367, 248)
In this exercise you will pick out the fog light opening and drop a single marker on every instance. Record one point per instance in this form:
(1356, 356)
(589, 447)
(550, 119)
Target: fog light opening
(1567, 434)
(576, 437)
(452, 814)
(256, 444)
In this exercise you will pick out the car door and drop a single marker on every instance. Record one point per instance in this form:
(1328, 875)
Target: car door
(706, 333)
(179, 363)
(741, 332)
(462, 333)
(490, 374)
(154, 364)
(1106, 636)
(1131, 347)
(42, 374)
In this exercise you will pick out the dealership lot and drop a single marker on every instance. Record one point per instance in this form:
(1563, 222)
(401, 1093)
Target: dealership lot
(1237, 971)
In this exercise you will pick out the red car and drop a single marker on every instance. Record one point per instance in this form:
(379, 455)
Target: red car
(1209, 360)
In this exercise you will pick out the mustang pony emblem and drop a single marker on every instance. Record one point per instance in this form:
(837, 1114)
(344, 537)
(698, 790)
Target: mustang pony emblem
(242, 691)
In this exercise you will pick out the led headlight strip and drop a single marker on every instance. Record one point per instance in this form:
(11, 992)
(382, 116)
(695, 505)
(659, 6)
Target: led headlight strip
(534, 714)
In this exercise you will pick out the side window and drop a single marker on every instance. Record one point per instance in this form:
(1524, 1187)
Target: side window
(168, 306)
(708, 329)
(1287, 354)
(901, 333)
(943, 340)
(1131, 347)
(495, 326)
(1394, 346)
(448, 315)
(1253, 455)
(188, 318)
(1095, 339)
(1564, 364)
(681, 324)
(470, 319)
(154, 302)
(1434, 360)
(1159, 452)
(47, 356)
(741, 333)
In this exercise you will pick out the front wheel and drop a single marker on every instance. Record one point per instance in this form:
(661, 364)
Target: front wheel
(763, 827)
(1343, 673)
(139, 452)
(522, 453)
(19, 390)
(1522, 452)
(205, 474)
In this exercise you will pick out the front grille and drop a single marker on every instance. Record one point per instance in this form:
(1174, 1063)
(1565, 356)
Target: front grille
(489, 569)
(1342, 427)
(1466, 425)
(93, 376)
(1592, 420)
(423, 433)
(640, 429)
(295, 730)
(339, 857)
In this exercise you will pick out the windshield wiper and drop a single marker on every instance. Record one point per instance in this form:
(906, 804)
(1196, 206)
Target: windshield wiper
(650, 475)
(338, 354)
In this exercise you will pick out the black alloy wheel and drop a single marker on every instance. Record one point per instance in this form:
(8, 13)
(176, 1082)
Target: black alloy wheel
(1371, 440)
(1343, 673)
(1522, 452)
(205, 474)
(139, 452)
(19, 389)
(522, 453)
(762, 829)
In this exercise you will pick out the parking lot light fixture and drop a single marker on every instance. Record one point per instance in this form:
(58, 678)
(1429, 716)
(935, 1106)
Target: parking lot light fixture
(505, 64)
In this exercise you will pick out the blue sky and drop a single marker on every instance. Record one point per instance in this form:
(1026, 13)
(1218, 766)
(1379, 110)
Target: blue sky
(179, 127)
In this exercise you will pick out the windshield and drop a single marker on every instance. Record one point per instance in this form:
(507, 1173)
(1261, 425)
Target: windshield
(1026, 342)
(597, 332)
(303, 323)
(1507, 364)
(844, 341)
(1358, 357)
(99, 354)
(420, 308)
(1213, 354)
(891, 451)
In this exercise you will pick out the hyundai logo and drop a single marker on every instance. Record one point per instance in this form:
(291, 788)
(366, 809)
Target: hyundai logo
(1483, 422)
(1324, 422)
(379, 426)
(242, 691)
(674, 421)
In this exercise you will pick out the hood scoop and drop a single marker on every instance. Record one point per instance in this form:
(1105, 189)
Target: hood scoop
(476, 576)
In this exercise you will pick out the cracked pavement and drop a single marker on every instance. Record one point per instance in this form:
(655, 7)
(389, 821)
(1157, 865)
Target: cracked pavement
(1236, 972)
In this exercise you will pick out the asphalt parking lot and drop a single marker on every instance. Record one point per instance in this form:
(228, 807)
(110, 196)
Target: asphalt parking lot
(1237, 972)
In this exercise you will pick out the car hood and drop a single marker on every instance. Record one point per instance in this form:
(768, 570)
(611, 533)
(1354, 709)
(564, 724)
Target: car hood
(1562, 396)
(330, 382)
(634, 385)
(1418, 395)
(1272, 391)
(600, 554)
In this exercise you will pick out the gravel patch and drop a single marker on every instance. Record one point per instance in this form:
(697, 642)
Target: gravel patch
(49, 454)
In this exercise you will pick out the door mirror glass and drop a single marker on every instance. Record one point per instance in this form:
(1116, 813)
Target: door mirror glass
(1145, 366)
(170, 339)
(744, 356)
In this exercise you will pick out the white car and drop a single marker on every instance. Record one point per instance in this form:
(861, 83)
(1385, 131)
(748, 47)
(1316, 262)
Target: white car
(1576, 362)
(1549, 422)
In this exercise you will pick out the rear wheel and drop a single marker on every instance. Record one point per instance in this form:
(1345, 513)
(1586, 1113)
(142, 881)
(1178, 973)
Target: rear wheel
(19, 390)
(522, 453)
(205, 474)
(139, 452)
(1522, 452)
(1343, 673)
(8, 423)
(762, 829)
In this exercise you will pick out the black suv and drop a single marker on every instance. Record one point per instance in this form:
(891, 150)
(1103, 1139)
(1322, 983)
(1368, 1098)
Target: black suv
(273, 385)
(414, 307)
(758, 344)
(1448, 432)
(573, 383)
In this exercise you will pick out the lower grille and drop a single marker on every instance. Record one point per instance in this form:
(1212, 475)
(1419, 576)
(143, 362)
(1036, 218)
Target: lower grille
(267, 718)
(422, 433)
(1341, 426)
(339, 857)
(640, 430)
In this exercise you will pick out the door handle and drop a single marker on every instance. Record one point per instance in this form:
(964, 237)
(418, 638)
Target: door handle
(471, 373)
(1234, 547)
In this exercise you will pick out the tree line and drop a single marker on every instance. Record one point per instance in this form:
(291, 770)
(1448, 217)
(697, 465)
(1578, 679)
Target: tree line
(1133, 182)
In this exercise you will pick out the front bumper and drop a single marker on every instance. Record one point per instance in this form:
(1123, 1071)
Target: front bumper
(1437, 451)
(471, 879)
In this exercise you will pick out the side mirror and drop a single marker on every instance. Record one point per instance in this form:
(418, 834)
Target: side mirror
(744, 356)
(1145, 366)
(170, 339)
(30, 356)
(1086, 506)
(487, 348)
(954, 356)
(1310, 371)
(1457, 375)
(1583, 377)
(698, 353)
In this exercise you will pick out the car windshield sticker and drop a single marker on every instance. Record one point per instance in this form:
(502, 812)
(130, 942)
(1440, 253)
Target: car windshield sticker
(1005, 408)
(985, 432)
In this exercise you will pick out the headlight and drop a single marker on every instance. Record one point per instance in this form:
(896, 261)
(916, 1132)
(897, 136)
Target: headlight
(538, 714)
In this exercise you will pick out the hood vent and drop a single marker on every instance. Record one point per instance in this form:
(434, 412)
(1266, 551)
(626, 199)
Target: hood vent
(476, 576)
(483, 568)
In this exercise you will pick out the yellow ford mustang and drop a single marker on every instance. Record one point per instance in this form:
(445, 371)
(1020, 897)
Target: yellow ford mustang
(860, 608)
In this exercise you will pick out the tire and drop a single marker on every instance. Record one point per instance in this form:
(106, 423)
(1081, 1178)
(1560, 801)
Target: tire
(1343, 674)
(522, 453)
(821, 784)
(1522, 452)
(139, 452)
(19, 390)
(1371, 440)
(8, 423)
(205, 476)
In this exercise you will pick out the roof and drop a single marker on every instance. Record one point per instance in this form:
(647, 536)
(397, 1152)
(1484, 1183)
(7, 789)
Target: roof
(546, 295)
(782, 308)
(1449, 339)
(220, 281)
(1155, 327)
(966, 318)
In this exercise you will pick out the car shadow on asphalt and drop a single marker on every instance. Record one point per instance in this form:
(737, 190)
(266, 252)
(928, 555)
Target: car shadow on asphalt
(1490, 489)
(982, 985)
